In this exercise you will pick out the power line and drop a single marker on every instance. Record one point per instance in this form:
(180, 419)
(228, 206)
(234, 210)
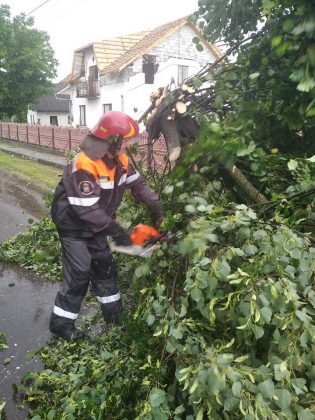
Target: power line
(36, 8)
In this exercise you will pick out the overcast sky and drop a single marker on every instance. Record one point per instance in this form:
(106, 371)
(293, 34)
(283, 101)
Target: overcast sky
(74, 23)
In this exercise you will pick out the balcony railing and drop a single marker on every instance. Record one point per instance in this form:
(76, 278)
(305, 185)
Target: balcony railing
(88, 89)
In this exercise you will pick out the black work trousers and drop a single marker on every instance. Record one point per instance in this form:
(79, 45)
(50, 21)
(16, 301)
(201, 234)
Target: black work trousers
(85, 260)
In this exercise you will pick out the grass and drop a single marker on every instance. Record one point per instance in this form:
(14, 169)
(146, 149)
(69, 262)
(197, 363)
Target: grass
(45, 177)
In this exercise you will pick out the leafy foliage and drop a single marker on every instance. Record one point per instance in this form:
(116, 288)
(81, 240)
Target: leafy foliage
(27, 64)
(225, 325)
(3, 341)
(37, 249)
(266, 95)
(223, 314)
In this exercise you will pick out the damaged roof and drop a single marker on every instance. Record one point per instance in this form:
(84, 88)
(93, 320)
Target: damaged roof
(113, 55)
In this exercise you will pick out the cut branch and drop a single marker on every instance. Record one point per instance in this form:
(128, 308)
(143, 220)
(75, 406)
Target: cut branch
(244, 185)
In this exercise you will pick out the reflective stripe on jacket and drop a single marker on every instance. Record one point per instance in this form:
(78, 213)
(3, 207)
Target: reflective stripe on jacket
(90, 191)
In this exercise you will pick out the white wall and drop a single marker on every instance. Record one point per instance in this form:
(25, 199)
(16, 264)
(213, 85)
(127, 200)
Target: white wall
(127, 93)
(44, 118)
(31, 116)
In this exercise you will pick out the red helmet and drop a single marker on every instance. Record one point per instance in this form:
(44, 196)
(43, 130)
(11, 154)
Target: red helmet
(113, 123)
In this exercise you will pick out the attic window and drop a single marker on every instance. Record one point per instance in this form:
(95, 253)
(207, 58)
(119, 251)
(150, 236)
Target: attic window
(149, 68)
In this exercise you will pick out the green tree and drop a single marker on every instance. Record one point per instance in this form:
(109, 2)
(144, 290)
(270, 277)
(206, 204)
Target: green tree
(270, 88)
(27, 64)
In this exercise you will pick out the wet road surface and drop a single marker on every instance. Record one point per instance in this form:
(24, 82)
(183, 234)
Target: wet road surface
(25, 300)
(18, 203)
(25, 306)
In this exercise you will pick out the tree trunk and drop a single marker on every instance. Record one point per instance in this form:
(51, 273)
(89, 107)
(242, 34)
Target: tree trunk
(171, 136)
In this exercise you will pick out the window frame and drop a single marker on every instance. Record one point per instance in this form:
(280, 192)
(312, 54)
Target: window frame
(110, 107)
(82, 111)
(182, 74)
(53, 117)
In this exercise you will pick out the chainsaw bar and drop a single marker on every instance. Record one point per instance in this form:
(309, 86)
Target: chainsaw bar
(135, 250)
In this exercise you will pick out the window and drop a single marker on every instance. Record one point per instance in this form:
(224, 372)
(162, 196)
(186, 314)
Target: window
(53, 120)
(82, 115)
(107, 107)
(93, 72)
(182, 74)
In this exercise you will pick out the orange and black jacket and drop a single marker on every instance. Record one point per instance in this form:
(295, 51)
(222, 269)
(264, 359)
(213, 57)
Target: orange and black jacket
(90, 191)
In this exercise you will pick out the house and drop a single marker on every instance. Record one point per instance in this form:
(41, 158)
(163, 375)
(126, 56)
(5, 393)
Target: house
(51, 109)
(120, 73)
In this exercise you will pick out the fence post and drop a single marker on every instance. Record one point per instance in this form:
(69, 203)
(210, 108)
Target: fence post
(53, 136)
(1, 130)
(39, 135)
(70, 145)
(27, 133)
(17, 132)
(9, 132)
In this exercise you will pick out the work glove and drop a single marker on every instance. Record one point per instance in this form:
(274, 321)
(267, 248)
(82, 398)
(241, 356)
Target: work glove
(157, 214)
(121, 236)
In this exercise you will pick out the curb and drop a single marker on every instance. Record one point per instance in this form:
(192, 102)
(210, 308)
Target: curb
(41, 160)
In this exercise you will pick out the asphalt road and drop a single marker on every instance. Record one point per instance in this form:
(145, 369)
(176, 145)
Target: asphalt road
(25, 300)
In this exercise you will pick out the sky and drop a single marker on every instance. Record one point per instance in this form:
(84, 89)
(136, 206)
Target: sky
(71, 24)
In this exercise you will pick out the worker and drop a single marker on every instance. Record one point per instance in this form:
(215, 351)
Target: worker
(84, 212)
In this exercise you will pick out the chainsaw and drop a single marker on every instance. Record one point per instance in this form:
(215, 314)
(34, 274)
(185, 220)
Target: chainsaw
(144, 240)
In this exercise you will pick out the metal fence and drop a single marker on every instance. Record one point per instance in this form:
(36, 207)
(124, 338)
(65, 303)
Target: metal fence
(61, 138)
(67, 138)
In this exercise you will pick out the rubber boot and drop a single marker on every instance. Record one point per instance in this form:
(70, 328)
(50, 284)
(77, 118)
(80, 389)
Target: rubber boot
(64, 328)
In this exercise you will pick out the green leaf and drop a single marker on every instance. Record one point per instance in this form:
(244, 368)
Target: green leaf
(176, 333)
(258, 331)
(267, 388)
(266, 314)
(240, 359)
(302, 315)
(150, 319)
(312, 159)
(268, 4)
(254, 76)
(292, 164)
(51, 415)
(196, 294)
(281, 371)
(142, 270)
(236, 389)
(157, 397)
(190, 208)
(305, 414)
(215, 127)
(169, 189)
(222, 270)
(276, 40)
(284, 398)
